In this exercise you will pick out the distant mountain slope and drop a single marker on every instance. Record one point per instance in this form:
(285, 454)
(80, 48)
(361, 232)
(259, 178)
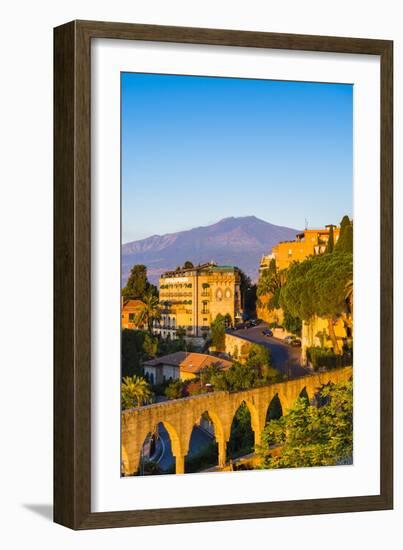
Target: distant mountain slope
(231, 241)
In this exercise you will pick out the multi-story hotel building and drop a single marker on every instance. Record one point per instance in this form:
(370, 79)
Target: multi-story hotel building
(191, 299)
(307, 243)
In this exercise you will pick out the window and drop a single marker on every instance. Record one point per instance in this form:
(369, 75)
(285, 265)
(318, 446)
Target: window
(131, 316)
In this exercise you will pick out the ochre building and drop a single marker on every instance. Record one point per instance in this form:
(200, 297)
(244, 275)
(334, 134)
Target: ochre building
(181, 365)
(130, 313)
(310, 242)
(190, 299)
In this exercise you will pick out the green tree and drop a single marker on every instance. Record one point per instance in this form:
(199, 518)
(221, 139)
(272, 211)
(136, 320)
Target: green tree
(270, 283)
(132, 352)
(150, 345)
(330, 275)
(228, 320)
(330, 242)
(259, 358)
(292, 324)
(296, 295)
(345, 241)
(149, 311)
(241, 438)
(248, 293)
(135, 392)
(137, 285)
(240, 377)
(174, 390)
(312, 435)
(218, 332)
(316, 286)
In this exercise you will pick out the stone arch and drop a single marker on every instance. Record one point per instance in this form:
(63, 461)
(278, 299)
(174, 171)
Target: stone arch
(124, 460)
(304, 394)
(218, 425)
(274, 408)
(217, 437)
(247, 439)
(255, 420)
(221, 435)
(176, 444)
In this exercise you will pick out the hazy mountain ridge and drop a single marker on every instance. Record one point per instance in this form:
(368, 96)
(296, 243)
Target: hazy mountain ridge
(231, 241)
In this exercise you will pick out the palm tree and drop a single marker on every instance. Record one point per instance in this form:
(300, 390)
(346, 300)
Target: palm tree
(349, 293)
(348, 296)
(150, 311)
(135, 392)
(349, 289)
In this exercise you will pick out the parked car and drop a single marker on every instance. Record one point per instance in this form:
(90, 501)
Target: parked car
(255, 322)
(239, 326)
(267, 332)
(289, 339)
(296, 343)
(249, 324)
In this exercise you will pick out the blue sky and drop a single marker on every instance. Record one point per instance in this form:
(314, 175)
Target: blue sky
(199, 149)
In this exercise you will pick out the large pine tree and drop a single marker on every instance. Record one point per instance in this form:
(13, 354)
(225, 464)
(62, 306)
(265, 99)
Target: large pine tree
(138, 286)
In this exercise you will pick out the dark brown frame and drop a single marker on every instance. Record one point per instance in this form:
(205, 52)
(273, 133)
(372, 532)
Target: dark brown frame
(72, 268)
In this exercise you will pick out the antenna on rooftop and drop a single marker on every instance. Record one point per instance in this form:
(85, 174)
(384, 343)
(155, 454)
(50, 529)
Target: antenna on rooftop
(306, 223)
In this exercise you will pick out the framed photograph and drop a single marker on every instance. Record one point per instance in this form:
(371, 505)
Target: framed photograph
(222, 274)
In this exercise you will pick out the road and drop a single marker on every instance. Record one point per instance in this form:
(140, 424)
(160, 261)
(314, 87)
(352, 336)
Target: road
(163, 450)
(286, 359)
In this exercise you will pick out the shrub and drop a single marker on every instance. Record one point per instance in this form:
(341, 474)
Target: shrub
(205, 458)
(323, 357)
(175, 390)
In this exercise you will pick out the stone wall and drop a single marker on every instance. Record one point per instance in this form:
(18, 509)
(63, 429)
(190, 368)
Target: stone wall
(237, 347)
(179, 416)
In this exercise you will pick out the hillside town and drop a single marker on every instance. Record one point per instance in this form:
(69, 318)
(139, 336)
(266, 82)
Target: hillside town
(209, 329)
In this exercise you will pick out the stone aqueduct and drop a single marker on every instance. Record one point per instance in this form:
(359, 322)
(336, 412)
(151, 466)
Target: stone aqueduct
(180, 416)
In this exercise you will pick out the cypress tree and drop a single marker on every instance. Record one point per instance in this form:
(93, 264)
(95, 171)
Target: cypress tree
(345, 242)
(330, 242)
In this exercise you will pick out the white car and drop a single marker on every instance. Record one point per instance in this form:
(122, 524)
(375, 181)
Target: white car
(289, 339)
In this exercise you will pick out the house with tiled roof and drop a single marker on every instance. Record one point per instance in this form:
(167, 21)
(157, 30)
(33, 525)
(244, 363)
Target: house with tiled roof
(181, 365)
(131, 310)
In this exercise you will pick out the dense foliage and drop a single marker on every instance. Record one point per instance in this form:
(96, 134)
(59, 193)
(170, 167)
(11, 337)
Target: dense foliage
(330, 242)
(175, 389)
(345, 242)
(292, 324)
(242, 438)
(137, 285)
(317, 286)
(203, 459)
(150, 310)
(218, 332)
(270, 283)
(312, 435)
(256, 371)
(248, 294)
(325, 357)
(135, 392)
(132, 352)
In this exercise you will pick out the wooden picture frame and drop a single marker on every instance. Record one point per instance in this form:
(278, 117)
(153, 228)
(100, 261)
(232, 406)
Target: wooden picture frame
(72, 272)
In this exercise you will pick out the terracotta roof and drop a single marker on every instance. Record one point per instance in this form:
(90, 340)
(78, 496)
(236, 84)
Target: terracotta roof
(195, 362)
(173, 359)
(189, 362)
(132, 304)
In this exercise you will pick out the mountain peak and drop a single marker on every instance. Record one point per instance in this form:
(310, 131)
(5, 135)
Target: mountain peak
(239, 241)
